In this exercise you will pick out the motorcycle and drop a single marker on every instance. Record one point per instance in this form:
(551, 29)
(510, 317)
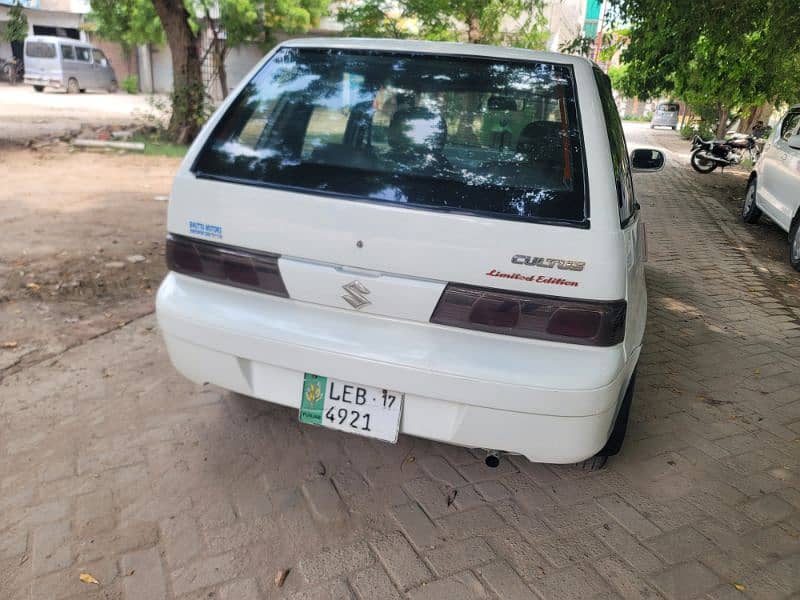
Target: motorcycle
(12, 70)
(707, 155)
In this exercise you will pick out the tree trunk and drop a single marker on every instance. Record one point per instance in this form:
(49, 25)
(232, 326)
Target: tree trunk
(474, 29)
(722, 122)
(187, 78)
(219, 58)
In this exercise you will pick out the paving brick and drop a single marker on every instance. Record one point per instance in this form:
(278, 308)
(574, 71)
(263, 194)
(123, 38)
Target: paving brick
(51, 547)
(374, 584)
(143, 575)
(577, 548)
(628, 517)
(478, 471)
(419, 529)
(622, 579)
(768, 509)
(244, 589)
(430, 495)
(530, 525)
(680, 545)
(66, 583)
(463, 586)
(180, 538)
(492, 491)
(95, 511)
(240, 534)
(336, 561)
(203, 573)
(685, 580)
(628, 548)
(330, 590)
(116, 541)
(13, 543)
(504, 582)
(510, 545)
(576, 582)
(401, 561)
(468, 523)
(442, 471)
(460, 555)
(324, 501)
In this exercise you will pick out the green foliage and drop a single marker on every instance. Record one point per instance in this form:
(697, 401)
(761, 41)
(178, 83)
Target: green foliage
(479, 21)
(617, 74)
(131, 84)
(129, 22)
(715, 53)
(17, 24)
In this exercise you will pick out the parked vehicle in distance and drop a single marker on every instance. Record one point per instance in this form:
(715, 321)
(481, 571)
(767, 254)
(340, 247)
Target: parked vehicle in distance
(666, 115)
(774, 185)
(428, 238)
(707, 155)
(64, 63)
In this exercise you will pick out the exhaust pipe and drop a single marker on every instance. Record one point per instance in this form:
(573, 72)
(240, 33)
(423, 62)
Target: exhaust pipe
(492, 459)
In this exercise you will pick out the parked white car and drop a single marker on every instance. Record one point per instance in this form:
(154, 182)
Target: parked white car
(774, 185)
(428, 238)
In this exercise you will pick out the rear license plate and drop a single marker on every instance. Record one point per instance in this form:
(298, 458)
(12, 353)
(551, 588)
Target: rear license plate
(351, 407)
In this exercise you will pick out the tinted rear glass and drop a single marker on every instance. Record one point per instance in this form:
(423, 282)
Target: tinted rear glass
(68, 52)
(439, 132)
(40, 50)
(668, 107)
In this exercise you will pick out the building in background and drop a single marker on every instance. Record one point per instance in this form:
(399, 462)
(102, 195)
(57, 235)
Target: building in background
(565, 21)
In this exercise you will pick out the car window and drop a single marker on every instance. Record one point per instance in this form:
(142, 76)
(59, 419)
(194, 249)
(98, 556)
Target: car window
(68, 52)
(82, 54)
(40, 50)
(98, 56)
(668, 107)
(789, 125)
(619, 150)
(452, 133)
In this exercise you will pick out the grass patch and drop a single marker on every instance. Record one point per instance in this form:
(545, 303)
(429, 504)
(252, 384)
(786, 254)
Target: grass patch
(154, 147)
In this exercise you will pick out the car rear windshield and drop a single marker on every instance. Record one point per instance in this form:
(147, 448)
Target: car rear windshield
(440, 132)
(40, 50)
(668, 107)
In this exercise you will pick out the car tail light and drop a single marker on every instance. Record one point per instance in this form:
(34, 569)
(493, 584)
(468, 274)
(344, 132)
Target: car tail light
(257, 271)
(550, 318)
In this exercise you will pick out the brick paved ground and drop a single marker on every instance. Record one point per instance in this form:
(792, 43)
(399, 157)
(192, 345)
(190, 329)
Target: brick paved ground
(113, 465)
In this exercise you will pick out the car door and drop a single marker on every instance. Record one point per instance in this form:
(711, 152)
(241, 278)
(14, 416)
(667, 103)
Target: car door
(102, 71)
(83, 71)
(777, 184)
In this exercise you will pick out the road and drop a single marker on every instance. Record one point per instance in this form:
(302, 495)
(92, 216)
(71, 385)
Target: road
(26, 114)
(112, 465)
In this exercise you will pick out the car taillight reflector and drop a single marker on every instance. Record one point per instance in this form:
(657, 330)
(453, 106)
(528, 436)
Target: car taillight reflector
(248, 269)
(588, 322)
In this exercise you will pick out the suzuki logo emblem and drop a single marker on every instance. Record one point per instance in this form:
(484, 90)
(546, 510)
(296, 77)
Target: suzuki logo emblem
(356, 294)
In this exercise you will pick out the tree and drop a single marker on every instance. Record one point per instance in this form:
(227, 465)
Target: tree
(719, 54)
(511, 22)
(179, 22)
(17, 25)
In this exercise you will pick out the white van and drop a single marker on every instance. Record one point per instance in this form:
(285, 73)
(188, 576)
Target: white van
(774, 185)
(409, 237)
(67, 64)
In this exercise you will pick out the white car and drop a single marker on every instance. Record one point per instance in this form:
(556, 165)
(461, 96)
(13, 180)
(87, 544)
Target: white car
(434, 239)
(774, 185)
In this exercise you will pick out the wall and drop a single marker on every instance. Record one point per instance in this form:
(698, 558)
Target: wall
(124, 63)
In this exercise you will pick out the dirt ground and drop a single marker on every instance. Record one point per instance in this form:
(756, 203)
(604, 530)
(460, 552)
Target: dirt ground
(82, 250)
(26, 114)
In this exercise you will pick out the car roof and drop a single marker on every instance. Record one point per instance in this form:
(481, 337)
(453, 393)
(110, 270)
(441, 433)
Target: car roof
(440, 48)
(56, 38)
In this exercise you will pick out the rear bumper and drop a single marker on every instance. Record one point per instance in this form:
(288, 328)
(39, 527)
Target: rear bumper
(549, 402)
(39, 80)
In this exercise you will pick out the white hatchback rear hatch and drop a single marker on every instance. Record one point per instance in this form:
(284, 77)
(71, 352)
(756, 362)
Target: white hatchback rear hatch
(422, 221)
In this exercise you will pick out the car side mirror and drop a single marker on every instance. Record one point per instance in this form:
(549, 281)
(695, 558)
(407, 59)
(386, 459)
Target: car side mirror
(794, 141)
(647, 160)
